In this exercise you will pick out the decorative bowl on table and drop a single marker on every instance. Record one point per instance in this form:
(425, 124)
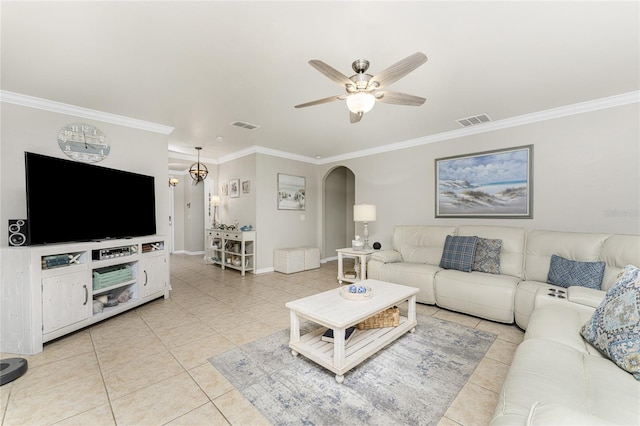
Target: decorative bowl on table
(356, 292)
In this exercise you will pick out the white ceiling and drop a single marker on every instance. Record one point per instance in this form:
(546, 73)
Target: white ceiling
(198, 66)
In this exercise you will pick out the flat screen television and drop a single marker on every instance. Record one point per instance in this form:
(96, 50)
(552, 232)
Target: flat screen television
(69, 201)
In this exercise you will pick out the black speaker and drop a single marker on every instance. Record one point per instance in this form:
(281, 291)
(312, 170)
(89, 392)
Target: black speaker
(18, 233)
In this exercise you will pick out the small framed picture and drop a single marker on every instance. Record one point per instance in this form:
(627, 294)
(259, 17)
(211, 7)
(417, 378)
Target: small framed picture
(246, 186)
(291, 192)
(234, 188)
(225, 189)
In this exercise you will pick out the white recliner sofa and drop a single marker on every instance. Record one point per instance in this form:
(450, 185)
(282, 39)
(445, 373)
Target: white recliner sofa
(508, 297)
(556, 377)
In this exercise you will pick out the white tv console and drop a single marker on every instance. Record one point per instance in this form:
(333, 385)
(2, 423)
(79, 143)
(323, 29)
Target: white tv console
(47, 291)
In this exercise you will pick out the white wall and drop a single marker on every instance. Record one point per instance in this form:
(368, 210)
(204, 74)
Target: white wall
(586, 175)
(242, 208)
(284, 228)
(34, 130)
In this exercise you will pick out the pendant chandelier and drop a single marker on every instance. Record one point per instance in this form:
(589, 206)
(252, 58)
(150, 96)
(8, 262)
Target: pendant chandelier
(198, 171)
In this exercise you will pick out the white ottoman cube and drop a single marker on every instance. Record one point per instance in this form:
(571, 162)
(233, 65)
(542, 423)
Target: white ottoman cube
(288, 260)
(311, 258)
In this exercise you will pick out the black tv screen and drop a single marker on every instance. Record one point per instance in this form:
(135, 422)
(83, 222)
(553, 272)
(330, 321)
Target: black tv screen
(71, 201)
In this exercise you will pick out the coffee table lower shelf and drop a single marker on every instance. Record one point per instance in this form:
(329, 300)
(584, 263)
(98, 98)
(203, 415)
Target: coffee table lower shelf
(361, 346)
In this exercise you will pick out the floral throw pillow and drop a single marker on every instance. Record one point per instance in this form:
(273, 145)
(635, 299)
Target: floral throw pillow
(614, 327)
(487, 257)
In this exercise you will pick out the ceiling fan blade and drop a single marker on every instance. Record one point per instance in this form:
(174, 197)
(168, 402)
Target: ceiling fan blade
(331, 72)
(321, 101)
(355, 117)
(397, 71)
(398, 98)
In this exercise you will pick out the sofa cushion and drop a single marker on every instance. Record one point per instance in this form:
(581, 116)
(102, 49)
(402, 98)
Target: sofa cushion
(614, 327)
(429, 238)
(458, 253)
(566, 273)
(541, 245)
(487, 256)
(476, 293)
(549, 371)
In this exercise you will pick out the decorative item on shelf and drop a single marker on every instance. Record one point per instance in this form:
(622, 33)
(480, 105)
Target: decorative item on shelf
(365, 213)
(357, 244)
(377, 246)
(350, 275)
(198, 171)
(246, 228)
(215, 202)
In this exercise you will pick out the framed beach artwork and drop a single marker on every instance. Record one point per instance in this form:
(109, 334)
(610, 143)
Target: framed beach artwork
(234, 188)
(291, 192)
(491, 184)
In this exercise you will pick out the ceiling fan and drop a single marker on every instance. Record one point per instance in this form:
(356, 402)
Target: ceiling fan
(363, 90)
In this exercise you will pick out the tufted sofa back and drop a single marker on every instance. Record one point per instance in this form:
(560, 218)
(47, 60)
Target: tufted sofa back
(616, 250)
(421, 244)
(512, 251)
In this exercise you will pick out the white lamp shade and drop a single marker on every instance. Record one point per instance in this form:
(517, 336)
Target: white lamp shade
(364, 213)
(360, 102)
(215, 200)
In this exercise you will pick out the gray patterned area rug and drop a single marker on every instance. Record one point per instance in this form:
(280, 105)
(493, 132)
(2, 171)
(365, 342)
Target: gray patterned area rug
(412, 381)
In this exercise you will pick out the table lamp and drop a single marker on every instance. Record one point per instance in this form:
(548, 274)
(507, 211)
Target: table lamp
(364, 213)
(215, 202)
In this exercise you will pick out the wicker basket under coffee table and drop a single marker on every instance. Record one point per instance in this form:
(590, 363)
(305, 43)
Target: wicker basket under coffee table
(331, 310)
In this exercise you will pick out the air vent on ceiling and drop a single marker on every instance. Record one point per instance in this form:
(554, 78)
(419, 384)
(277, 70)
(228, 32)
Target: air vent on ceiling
(472, 121)
(245, 125)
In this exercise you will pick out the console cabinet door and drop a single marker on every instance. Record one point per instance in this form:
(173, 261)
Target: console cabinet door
(153, 275)
(66, 299)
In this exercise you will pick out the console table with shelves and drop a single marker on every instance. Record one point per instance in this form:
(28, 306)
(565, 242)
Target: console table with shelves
(49, 291)
(231, 249)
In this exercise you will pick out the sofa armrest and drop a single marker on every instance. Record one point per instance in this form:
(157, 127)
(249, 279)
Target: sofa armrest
(585, 296)
(386, 256)
(550, 413)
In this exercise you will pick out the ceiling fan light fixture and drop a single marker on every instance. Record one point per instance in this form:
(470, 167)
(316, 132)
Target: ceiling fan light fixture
(360, 102)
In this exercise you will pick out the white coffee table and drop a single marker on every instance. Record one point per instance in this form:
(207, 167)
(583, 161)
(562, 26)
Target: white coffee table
(333, 311)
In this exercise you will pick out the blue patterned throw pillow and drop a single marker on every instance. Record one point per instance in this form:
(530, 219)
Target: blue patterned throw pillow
(487, 256)
(614, 327)
(458, 253)
(565, 273)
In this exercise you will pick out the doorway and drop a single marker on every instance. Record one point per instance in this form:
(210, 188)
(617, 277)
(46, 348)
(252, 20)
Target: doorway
(339, 198)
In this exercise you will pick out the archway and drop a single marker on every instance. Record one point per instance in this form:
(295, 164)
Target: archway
(338, 187)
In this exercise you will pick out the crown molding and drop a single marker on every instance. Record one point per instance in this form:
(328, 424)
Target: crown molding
(521, 120)
(62, 108)
(256, 149)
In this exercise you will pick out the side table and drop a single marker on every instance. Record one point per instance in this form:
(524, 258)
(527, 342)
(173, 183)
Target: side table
(360, 258)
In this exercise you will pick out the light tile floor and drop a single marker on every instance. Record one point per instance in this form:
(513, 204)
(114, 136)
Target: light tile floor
(149, 366)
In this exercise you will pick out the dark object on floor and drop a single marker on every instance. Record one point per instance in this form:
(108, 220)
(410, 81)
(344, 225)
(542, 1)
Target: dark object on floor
(11, 369)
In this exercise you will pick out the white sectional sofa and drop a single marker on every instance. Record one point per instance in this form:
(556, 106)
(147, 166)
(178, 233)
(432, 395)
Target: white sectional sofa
(556, 376)
(525, 256)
